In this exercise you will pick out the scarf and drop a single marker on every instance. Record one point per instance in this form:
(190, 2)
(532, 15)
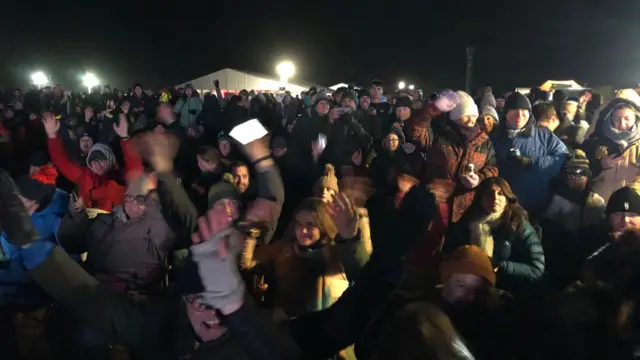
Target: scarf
(513, 133)
(467, 133)
(622, 138)
(481, 232)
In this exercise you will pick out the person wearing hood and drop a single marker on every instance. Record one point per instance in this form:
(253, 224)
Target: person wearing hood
(188, 107)
(96, 182)
(528, 156)
(614, 147)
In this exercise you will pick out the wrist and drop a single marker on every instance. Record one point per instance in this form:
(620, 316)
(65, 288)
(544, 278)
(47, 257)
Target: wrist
(52, 135)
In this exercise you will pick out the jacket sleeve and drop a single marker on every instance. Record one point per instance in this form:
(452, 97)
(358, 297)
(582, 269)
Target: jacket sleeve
(490, 168)
(271, 188)
(112, 314)
(177, 108)
(353, 254)
(531, 266)
(554, 156)
(59, 158)
(132, 162)
(178, 210)
(258, 257)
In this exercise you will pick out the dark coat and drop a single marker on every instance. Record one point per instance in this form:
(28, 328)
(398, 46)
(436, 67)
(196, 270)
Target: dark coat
(519, 256)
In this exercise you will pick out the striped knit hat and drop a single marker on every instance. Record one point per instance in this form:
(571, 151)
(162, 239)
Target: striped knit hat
(578, 164)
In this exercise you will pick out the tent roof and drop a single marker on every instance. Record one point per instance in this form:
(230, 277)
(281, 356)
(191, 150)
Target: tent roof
(560, 84)
(224, 73)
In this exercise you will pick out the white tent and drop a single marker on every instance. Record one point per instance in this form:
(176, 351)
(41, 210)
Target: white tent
(233, 81)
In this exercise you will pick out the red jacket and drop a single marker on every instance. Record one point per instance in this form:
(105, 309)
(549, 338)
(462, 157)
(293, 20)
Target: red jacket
(101, 192)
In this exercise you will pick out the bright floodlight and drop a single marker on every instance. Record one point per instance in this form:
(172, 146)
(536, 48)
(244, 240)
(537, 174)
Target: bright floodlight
(90, 81)
(411, 87)
(401, 85)
(285, 70)
(39, 79)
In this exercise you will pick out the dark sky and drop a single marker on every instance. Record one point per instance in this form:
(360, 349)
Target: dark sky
(519, 43)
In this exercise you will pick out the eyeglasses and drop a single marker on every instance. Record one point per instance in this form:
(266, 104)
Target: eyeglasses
(138, 199)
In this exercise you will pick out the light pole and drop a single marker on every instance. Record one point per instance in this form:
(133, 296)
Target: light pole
(39, 79)
(285, 70)
(90, 81)
(401, 85)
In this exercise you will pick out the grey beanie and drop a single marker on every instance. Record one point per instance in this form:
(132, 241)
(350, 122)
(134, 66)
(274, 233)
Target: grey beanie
(488, 110)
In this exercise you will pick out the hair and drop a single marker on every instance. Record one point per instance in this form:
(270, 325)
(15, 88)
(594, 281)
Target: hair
(237, 164)
(321, 215)
(544, 112)
(513, 217)
(420, 331)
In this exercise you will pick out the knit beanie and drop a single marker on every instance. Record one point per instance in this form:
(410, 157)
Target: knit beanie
(465, 107)
(327, 181)
(223, 189)
(578, 163)
(488, 100)
(319, 97)
(404, 101)
(279, 142)
(101, 152)
(517, 101)
(363, 93)
(624, 199)
(40, 185)
(468, 259)
(488, 110)
(349, 95)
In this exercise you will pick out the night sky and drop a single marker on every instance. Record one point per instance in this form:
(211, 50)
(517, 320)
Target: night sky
(421, 42)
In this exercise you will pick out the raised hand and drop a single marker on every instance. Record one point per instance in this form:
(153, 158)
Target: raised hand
(122, 127)
(344, 216)
(157, 149)
(51, 124)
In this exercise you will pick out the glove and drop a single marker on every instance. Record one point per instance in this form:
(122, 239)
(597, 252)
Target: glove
(219, 274)
(36, 253)
(522, 161)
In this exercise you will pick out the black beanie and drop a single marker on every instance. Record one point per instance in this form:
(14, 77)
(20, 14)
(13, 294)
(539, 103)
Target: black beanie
(364, 92)
(38, 186)
(517, 101)
(404, 101)
(624, 199)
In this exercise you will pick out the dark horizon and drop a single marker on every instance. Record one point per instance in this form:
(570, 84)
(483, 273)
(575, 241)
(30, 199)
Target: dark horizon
(423, 44)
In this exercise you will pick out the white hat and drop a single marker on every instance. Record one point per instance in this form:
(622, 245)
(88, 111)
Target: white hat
(466, 106)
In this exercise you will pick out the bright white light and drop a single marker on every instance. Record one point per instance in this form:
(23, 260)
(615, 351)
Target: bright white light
(90, 81)
(401, 85)
(39, 79)
(411, 87)
(285, 70)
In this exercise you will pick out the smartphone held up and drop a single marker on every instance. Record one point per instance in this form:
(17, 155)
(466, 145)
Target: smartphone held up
(248, 131)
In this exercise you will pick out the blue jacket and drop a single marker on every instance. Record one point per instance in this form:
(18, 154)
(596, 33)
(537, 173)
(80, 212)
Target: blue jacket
(16, 286)
(530, 185)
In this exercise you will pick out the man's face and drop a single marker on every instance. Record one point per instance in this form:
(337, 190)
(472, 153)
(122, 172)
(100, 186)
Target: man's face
(189, 92)
(391, 142)
(517, 118)
(461, 288)
(241, 178)
(376, 92)
(226, 212)
(349, 103)
(204, 319)
(224, 147)
(577, 181)
(134, 205)
(279, 152)
(571, 109)
(138, 91)
(365, 101)
(621, 221)
(85, 144)
(88, 112)
(403, 113)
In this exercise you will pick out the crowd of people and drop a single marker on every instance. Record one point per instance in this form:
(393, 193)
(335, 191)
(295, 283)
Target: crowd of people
(366, 225)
